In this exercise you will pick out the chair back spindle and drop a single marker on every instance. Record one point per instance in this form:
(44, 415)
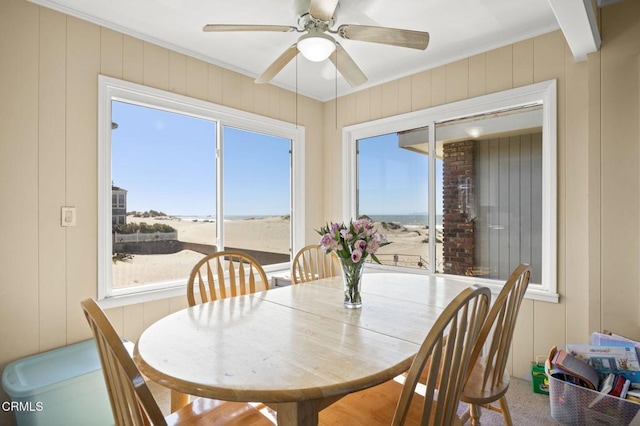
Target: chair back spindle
(225, 274)
(312, 263)
(443, 359)
(489, 380)
(131, 400)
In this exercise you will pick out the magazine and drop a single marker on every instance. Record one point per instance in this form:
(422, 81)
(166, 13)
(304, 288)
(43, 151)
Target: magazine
(569, 368)
(610, 339)
(609, 359)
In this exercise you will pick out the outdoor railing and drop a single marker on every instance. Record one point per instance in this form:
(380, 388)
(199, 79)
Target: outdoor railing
(410, 260)
(139, 237)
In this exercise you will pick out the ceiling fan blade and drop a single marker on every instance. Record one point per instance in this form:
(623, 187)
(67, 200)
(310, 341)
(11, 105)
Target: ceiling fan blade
(323, 10)
(227, 27)
(278, 64)
(384, 35)
(347, 67)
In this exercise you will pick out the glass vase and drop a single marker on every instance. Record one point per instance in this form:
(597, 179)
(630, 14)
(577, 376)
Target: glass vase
(352, 277)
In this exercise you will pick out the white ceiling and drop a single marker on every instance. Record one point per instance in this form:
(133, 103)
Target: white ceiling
(458, 29)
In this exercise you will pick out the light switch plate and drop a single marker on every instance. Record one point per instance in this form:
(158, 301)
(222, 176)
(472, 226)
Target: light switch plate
(68, 216)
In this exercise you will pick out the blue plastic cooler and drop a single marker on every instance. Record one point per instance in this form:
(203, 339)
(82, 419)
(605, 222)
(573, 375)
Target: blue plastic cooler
(60, 387)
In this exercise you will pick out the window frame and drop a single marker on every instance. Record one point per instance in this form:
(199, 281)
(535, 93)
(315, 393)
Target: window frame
(110, 89)
(544, 93)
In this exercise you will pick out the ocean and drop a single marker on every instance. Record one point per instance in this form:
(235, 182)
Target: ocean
(406, 219)
(211, 218)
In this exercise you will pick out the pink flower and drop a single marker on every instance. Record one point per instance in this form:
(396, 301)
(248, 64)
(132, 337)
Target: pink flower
(328, 242)
(381, 238)
(364, 224)
(373, 246)
(355, 240)
(360, 245)
(345, 234)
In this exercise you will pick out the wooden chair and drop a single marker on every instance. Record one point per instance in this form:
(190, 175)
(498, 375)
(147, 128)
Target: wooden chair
(443, 359)
(243, 275)
(489, 380)
(312, 263)
(131, 400)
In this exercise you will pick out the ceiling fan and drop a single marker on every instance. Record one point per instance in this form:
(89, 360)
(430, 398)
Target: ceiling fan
(318, 44)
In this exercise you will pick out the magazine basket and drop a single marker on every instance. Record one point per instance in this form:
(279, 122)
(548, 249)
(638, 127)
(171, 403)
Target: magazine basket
(575, 405)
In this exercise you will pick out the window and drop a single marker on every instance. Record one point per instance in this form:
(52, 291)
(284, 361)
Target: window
(118, 206)
(393, 192)
(186, 177)
(492, 197)
(257, 199)
(118, 201)
(477, 202)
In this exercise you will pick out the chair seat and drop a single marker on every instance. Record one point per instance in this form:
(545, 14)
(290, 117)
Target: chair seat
(475, 393)
(205, 411)
(371, 407)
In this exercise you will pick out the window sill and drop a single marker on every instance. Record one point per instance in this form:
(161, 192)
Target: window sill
(165, 293)
(534, 291)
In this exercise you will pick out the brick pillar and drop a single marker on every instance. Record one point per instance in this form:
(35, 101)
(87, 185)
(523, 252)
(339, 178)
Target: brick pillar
(458, 207)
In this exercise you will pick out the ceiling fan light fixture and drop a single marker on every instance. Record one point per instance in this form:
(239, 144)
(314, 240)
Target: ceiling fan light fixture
(316, 46)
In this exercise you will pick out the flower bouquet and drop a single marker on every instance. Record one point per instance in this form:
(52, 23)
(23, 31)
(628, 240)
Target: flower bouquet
(352, 243)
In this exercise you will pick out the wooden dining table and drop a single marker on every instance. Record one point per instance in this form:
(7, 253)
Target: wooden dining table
(295, 348)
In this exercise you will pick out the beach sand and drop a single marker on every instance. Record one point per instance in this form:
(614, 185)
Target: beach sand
(270, 234)
(409, 245)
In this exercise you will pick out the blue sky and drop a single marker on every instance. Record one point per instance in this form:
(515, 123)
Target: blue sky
(166, 162)
(393, 181)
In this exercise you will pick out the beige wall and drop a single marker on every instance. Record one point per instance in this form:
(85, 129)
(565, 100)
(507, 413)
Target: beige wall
(620, 72)
(49, 70)
(49, 64)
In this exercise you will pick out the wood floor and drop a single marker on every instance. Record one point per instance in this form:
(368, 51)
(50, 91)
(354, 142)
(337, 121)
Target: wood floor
(527, 408)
